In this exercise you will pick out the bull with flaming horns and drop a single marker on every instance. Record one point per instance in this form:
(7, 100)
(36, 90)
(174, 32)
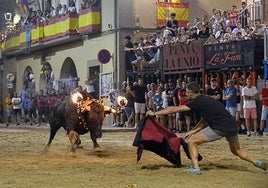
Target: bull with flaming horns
(78, 114)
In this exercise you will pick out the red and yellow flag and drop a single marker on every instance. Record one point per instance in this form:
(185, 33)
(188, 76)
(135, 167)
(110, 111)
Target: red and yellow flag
(180, 9)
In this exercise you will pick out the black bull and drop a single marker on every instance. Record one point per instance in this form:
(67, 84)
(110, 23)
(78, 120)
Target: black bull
(67, 114)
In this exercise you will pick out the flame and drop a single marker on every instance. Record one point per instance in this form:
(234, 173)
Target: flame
(122, 101)
(76, 97)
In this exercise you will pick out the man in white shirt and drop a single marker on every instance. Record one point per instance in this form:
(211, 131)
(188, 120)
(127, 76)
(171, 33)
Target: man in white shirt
(16, 101)
(250, 94)
(238, 29)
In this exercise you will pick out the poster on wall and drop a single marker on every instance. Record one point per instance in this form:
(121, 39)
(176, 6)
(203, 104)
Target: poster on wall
(106, 80)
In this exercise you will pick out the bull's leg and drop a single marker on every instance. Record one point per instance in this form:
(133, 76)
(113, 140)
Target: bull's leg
(97, 148)
(74, 140)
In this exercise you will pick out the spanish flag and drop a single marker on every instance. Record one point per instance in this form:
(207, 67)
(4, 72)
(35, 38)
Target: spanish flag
(180, 9)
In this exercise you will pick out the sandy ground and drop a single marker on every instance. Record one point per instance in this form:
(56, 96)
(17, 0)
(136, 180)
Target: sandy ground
(25, 163)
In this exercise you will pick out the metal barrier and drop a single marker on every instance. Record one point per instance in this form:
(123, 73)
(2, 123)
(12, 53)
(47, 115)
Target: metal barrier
(66, 85)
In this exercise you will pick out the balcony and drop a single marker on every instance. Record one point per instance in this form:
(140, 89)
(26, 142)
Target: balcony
(60, 30)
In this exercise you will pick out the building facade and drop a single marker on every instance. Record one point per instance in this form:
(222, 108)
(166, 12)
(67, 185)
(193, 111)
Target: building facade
(66, 60)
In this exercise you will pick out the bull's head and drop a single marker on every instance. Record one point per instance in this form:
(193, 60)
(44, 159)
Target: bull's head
(95, 112)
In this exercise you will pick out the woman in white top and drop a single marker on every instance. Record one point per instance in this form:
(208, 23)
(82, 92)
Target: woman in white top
(90, 87)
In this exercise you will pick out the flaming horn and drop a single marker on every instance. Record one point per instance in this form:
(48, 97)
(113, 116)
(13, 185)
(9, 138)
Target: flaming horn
(77, 98)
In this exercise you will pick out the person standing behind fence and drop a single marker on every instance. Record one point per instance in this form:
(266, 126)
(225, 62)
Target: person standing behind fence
(158, 104)
(150, 95)
(90, 88)
(239, 103)
(175, 127)
(264, 99)
(250, 94)
(42, 107)
(52, 98)
(167, 96)
(187, 116)
(214, 91)
(9, 108)
(244, 14)
(129, 109)
(31, 107)
(229, 96)
(17, 105)
(113, 95)
(24, 102)
(139, 92)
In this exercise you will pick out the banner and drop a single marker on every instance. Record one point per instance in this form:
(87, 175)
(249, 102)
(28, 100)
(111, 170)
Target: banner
(233, 54)
(179, 58)
(180, 9)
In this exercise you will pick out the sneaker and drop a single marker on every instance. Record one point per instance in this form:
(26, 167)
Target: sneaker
(18, 124)
(256, 134)
(248, 134)
(179, 131)
(127, 124)
(244, 132)
(7, 124)
(37, 125)
(261, 164)
(115, 125)
(261, 133)
(193, 170)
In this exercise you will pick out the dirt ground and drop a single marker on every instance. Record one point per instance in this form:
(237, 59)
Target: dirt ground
(25, 163)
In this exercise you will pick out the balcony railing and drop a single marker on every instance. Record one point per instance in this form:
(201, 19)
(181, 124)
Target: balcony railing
(86, 22)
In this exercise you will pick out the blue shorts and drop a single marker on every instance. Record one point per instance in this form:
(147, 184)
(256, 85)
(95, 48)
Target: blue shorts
(9, 112)
(129, 111)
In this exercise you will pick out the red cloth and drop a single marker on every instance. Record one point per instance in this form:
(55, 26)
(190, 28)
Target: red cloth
(155, 131)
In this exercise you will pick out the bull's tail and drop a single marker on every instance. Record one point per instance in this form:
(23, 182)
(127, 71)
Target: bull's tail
(56, 118)
(53, 131)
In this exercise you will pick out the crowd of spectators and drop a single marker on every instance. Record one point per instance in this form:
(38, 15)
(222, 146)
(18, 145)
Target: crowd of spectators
(34, 17)
(222, 26)
(237, 94)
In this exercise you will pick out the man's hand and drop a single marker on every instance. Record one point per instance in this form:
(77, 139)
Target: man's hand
(150, 113)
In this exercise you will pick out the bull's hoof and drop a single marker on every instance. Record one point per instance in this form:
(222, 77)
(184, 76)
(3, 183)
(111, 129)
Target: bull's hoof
(79, 147)
(98, 149)
(72, 154)
(46, 148)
